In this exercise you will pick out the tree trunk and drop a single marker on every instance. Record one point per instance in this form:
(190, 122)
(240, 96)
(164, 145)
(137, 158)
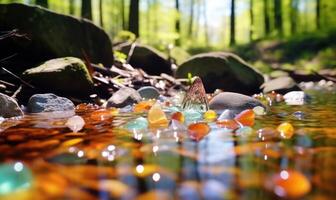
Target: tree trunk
(101, 22)
(191, 19)
(43, 3)
(206, 35)
(177, 23)
(318, 14)
(294, 17)
(232, 24)
(86, 9)
(122, 11)
(278, 17)
(251, 20)
(266, 18)
(134, 17)
(71, 7)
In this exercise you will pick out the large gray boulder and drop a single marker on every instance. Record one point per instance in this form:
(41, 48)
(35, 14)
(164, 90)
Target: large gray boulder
(234, 102)
(62, 75)
(147, 58)
(281, 85)
(224, 71)
(41, 34)
(9, 107)
(49, 103)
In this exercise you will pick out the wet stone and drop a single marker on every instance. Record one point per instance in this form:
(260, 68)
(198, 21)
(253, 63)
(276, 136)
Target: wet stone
(137, 124)
(75, 123)
(149, 92)
(198, 131)
(234, 102)
(8, 107)
(289, 184)
(49, 103)
(192, 115)
(123, 97)
(156, 117)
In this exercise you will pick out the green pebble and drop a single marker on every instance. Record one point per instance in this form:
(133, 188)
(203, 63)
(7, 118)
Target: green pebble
(137, 124)
(13, 177)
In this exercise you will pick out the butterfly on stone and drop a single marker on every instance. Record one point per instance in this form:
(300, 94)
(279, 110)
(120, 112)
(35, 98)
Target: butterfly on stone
(196, 98)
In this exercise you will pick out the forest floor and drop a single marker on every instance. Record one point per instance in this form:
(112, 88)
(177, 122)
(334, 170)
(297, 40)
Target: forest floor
(308, 52)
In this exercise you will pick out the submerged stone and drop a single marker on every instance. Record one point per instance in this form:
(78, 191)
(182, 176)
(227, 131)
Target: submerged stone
(178, 116)
(49, 103)
(296, 98)
(246, 118)
(156, 117)
(75, 123)
(234, 102)
(210, 115)
(149, 92)
(192, 115)
(14, 177)
(9, 107)
(290, 184)
(137, 124)
(286, 130)
(123, 97)
(244, 131)
(198, 131)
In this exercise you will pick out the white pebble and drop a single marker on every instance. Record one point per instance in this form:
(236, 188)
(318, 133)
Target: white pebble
(258, 110)
(2, 119)
(75, 123)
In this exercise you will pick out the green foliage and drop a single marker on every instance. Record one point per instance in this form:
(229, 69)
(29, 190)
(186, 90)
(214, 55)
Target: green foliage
(125, 36)
(119, 56)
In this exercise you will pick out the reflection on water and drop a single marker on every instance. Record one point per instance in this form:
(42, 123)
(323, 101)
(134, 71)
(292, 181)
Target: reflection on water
(101, 162)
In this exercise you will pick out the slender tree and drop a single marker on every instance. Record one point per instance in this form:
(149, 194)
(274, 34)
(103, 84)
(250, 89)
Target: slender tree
(251, 20)
(294, 16)
(177, 23)
(122, 11)
(43, 3)
(206, 35)
(191, 18)
(232, 24)
(71, 7)
(266, 18)
(318, 14)
(278, 17)
(133, 23)
(86, 11)
(101, 22)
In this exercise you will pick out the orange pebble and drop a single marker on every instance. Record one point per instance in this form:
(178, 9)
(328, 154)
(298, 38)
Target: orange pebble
(178, 116)
(246, 117)
(289, 184)
(156, 117)
(286, 130)
(143, 106)
(228, 123)
(100, 115)
(198, 130)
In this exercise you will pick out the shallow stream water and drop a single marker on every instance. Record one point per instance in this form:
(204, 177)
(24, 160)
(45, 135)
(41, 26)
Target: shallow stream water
(42, 159)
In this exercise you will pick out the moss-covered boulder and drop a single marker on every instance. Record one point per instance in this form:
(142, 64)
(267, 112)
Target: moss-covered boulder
(67, 75)
(40, 35)
(147, 58)
(224, 71)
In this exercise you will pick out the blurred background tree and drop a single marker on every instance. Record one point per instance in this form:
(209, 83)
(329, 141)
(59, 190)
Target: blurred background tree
(203, 25)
